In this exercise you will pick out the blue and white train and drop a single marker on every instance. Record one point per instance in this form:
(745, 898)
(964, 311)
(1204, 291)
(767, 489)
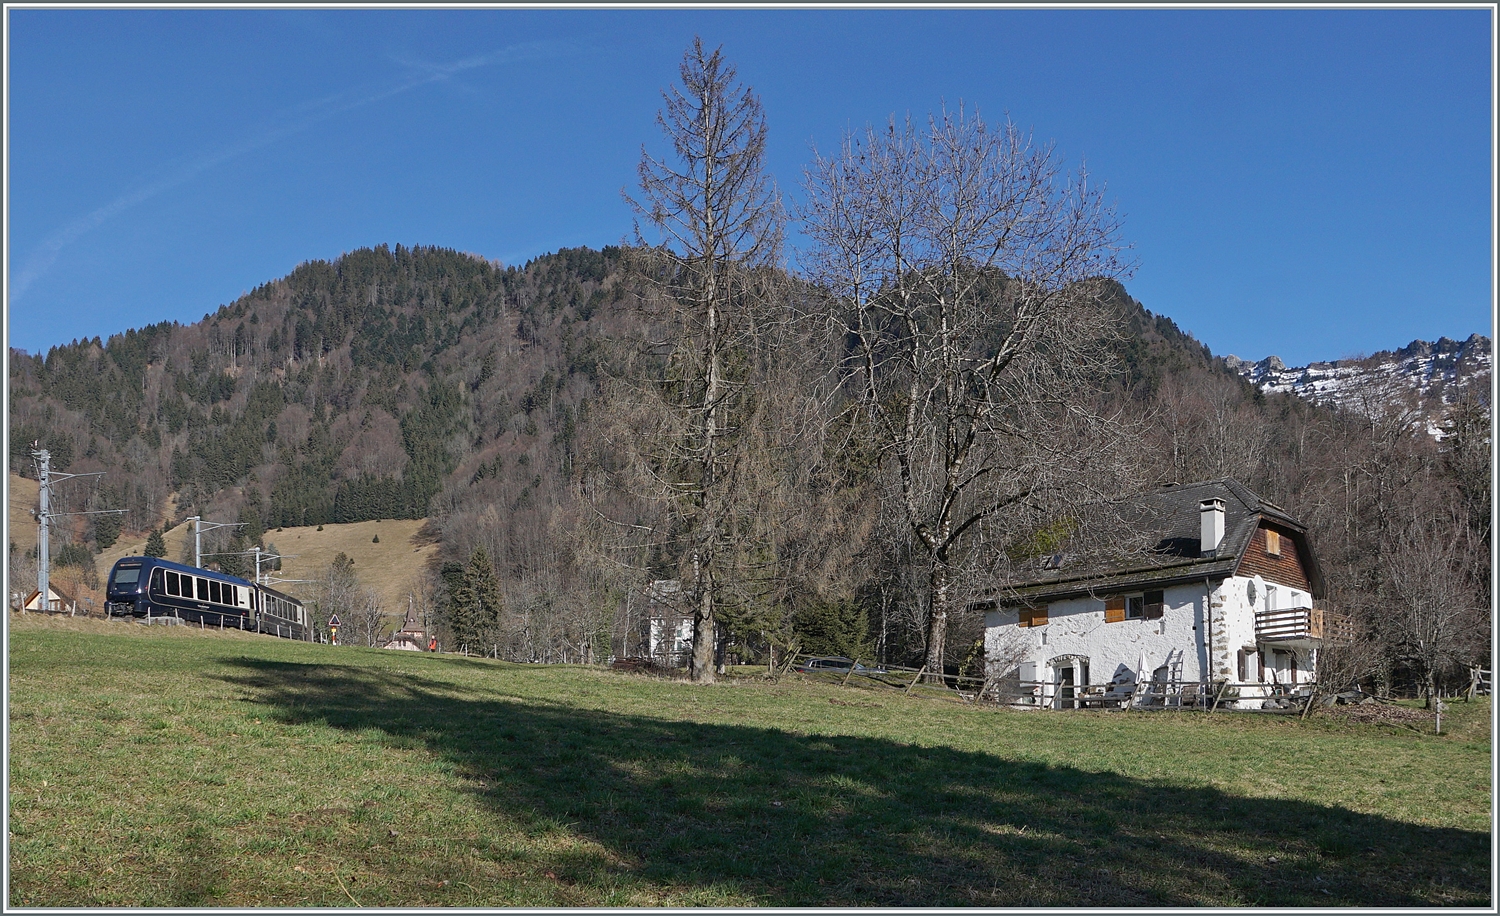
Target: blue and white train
(148, 586)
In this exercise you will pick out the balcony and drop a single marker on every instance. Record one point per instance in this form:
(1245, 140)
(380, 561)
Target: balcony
(1303, 625)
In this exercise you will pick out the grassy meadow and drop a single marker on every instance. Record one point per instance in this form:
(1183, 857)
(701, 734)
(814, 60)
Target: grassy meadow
(169, 767)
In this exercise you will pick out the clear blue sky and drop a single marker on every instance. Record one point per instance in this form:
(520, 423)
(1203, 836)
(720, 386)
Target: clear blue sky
(1309, 183)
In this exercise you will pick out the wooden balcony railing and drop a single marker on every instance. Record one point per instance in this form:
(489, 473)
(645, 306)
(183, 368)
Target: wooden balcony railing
(1303, 623)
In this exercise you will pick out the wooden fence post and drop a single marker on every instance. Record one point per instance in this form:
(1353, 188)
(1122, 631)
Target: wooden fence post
(848, 673)
(1223, 686)
(921, 671)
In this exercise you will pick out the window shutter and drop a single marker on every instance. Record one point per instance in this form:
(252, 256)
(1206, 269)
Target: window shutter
(1032, 616)
(1114, 609)
(1273, 543)
(1154, 604)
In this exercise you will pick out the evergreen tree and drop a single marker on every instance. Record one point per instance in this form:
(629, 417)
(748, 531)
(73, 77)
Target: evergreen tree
(106, 530)
(156, 545)
(474, 602)
(834, 628)
(234, 561)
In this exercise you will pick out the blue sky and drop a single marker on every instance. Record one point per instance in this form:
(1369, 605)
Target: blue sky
(1310, 183)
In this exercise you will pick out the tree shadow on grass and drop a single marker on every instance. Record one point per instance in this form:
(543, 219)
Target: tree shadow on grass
(792, 820)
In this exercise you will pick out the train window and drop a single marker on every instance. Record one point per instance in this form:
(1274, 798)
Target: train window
(202, 588)
(155, 586)
(213, 592)
(127, 575)
(171, 583)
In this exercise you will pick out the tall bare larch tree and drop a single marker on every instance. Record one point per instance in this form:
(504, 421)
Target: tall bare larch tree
(718, 222)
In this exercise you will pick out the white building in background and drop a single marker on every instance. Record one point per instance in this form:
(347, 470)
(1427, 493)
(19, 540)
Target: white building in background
(1228, 599)
(668, 625)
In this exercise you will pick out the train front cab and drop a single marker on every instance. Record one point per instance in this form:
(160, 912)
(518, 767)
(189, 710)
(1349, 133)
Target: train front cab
(125, 594)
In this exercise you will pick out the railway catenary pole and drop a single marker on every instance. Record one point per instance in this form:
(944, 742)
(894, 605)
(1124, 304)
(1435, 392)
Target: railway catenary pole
(45, 515)
(43, 552)
(198, 525)
(269, 556)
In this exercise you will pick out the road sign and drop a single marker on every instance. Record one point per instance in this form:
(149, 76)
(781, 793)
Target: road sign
(334, 621)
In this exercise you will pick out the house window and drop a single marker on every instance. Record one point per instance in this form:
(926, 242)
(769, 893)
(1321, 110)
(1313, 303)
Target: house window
(1146, 606)
(1249, 665)
(1273, 543)
(1032, 617)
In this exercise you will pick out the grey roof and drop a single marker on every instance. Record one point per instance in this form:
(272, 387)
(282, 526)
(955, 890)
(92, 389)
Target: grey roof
(1170, 517)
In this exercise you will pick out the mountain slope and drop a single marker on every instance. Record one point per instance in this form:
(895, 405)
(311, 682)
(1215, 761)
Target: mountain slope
(1432, 376)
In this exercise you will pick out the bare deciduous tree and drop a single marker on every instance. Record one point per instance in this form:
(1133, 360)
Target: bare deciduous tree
(1434, 620)
(966, 266)
(365, 619)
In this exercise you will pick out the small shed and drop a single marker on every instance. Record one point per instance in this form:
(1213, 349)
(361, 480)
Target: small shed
(62, 602)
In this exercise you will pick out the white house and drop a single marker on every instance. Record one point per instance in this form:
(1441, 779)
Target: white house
(667, 625)
(1227, 604)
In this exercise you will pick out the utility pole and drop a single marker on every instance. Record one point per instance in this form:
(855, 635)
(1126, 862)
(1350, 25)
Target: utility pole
(45, 515)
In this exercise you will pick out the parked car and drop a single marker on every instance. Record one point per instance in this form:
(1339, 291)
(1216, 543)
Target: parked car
(834, 664)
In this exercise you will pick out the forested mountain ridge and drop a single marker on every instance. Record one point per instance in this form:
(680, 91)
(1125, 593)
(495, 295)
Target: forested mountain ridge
(347, 390)
(357, 389)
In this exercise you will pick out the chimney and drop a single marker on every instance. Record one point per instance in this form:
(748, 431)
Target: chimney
(1211, 514)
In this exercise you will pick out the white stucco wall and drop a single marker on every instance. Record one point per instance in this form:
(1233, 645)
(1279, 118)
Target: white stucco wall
(1234, 607)
(1130, 649)
(1076, 626)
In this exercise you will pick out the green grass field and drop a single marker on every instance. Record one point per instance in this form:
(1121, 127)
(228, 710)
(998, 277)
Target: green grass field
(172, 768)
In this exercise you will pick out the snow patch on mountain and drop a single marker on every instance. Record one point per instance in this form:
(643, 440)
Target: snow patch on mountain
(1427, 376)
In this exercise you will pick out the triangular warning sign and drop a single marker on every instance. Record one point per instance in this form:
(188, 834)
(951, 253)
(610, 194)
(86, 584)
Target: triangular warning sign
(333, 621)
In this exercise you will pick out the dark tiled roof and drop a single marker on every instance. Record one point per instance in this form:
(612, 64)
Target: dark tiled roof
(1170, 519)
